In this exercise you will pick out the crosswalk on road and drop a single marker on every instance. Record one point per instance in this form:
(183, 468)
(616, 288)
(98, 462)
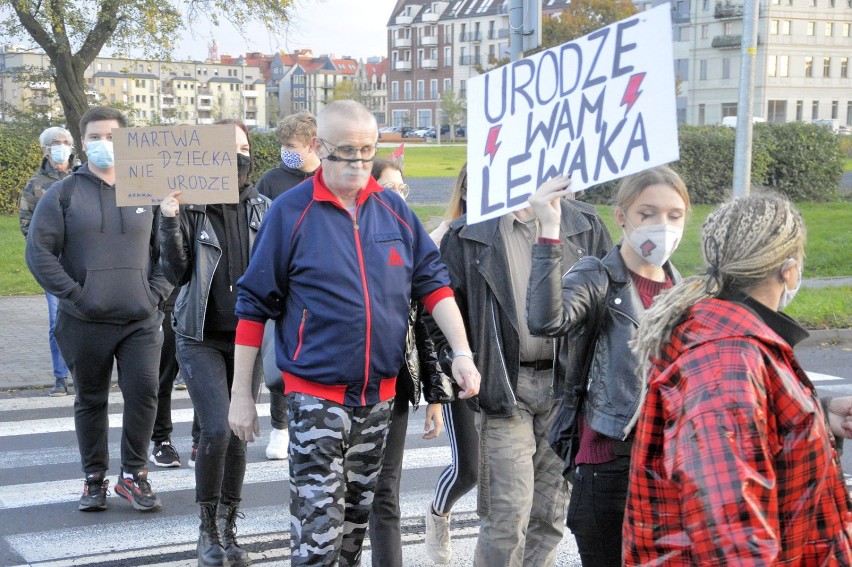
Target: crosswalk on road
(41, 483)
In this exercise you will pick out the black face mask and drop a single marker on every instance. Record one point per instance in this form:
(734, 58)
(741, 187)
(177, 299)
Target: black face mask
(243, 169)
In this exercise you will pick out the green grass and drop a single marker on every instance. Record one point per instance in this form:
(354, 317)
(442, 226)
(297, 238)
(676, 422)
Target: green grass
(847, 164)
(15, 277)
(827, 308)
(431, 160)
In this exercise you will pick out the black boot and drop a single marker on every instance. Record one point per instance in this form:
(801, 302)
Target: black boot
(237, 556)
(210, 550)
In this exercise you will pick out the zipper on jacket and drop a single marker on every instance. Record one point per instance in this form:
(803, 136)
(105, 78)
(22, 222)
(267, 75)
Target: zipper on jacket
(301, 334)
(369, 322)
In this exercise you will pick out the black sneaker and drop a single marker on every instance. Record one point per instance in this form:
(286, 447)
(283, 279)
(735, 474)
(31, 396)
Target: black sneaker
(165, 455)
(137, 491)
(94, 492)
(60, 388)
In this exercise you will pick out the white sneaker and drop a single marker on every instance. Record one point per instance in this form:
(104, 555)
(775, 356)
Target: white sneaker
(438, 545)
(279, 441)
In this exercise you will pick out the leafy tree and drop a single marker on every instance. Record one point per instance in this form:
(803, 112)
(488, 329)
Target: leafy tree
(581, 18)
(346, 90)
(72, 33)
(454, 108)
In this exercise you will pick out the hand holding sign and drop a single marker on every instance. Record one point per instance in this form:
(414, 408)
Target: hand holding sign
(547, 206)
(170, 205)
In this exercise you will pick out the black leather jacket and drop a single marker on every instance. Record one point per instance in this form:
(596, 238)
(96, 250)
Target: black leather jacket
(421, 365)
(190, 252)
(476, 259)
(565, 307)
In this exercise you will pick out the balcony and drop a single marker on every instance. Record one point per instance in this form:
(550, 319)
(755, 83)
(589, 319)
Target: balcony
(205, 121)
(403, 20)
(430, 17)
(429, 40)
(400, 42)
(429, 64)
(680, 17)
(469, 60)
(727, 41)
(470, 36)
(205, 103)
(727, 10)
(250, 122)
(402, 66)
(250, 94)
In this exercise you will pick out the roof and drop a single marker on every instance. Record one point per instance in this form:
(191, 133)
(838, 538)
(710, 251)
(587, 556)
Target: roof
(345, 66)
(116, 74)
(224, 80)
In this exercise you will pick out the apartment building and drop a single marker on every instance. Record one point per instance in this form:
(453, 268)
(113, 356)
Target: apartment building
(437, 46)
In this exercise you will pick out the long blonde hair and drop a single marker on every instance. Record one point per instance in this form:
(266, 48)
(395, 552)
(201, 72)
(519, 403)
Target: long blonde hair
(745, 242)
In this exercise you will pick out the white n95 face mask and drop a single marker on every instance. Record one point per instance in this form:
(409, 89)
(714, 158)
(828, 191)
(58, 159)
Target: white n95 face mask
(654, 243)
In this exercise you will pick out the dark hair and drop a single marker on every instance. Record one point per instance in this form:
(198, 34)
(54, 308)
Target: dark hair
(239, 124)
(381, 164)
(99, 113)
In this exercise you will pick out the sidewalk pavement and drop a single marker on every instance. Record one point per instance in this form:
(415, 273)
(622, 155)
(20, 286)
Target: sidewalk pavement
(25, 355)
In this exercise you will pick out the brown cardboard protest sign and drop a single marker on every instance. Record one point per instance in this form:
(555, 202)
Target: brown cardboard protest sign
(200, 161)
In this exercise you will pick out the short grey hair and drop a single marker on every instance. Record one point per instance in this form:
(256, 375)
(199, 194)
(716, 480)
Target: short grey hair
(55, 134)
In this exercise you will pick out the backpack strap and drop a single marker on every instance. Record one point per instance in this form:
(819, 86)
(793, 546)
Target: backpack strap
(66, 189)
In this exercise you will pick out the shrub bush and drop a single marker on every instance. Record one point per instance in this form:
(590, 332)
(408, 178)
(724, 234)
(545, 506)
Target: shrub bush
(806, 161)
(20, 158)
(266, 152)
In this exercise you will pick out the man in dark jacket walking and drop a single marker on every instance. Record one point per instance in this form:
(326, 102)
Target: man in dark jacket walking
(522, 494)
(101, 261)
(56, 147)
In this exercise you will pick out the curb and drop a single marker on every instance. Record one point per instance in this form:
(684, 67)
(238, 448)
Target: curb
(827, 336)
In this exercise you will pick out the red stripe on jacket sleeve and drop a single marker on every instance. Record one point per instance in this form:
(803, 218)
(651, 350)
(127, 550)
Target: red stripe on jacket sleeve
(249, 333)
(431, 300)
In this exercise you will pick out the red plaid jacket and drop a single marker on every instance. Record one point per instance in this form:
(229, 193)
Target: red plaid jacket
(733, 461)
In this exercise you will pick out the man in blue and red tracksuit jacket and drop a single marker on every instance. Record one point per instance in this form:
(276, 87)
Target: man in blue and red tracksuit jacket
(335, 265)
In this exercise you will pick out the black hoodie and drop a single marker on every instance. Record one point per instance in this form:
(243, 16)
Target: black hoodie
(276, 181)
(99, 259)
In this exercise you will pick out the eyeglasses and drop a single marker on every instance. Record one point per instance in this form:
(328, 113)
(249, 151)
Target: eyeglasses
(348, 153)
(401, 188)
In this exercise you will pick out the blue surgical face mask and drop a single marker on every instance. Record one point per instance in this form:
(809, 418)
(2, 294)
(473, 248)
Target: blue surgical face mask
(100, 153)
(60, 153)
(293, 160)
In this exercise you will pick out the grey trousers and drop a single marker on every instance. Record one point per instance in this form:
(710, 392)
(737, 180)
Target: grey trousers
(523, 497)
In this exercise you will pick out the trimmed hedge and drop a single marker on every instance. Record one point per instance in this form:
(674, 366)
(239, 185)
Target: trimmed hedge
(20, 158)
(802, 161)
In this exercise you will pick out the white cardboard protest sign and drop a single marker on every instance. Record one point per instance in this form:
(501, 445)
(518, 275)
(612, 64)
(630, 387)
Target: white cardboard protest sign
(200, 161)
(596, 109)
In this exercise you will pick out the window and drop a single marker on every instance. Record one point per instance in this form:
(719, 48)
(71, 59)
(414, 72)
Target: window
(826, 67)
(776, 111)
(726, 68)
(729, 28)
(849, 113)
(407, 90)
(785, 27)
(448, 56)
(815, 110)
(812, 3)
(846, 30)
(773, 27)
(702, 70)
(433, 89)
(829, 29)
(424, 118)
(395, 90)
(705, 31)
(783, 65)
(844, 67)
(835, 106)
(809, 67)
(811, 28)
(101, 81)
(701, 114)
(448, 85)
(772, 66)
(729, 109)
(800, 106)
(705, 5)
(421, 90)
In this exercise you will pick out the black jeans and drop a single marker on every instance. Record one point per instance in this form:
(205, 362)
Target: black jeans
(90, 349)
(168, 373)
(596, 511)
(385, 534)
(220, 465)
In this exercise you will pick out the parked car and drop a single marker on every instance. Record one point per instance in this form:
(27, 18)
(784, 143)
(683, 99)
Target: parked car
(390, 130)
(418, 133)
(461, 131)
(845, 130)
(430, 133)
(408, 132)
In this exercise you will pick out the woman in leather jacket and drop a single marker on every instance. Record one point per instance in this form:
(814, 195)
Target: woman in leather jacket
(421, 368)
(603, 299)
(205, 249)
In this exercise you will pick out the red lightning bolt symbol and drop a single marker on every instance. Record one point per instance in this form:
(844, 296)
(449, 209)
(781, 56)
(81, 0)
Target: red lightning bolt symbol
(492, 144)
(632, 92)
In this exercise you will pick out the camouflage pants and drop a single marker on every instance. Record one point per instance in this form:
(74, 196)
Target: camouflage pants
(335, 458)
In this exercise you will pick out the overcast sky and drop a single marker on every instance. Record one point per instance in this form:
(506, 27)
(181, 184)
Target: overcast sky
(343, 27)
